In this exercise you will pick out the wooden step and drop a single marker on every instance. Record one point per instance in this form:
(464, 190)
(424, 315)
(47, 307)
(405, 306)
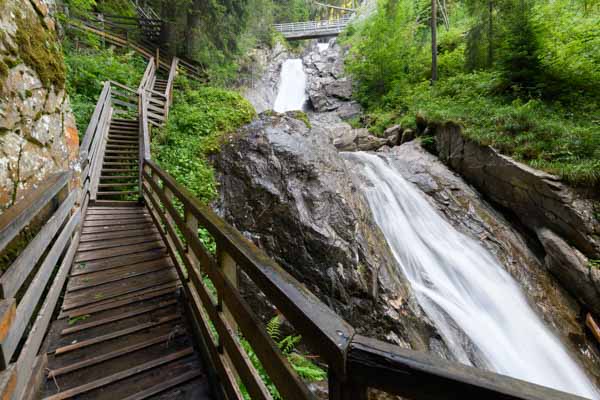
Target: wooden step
(116, 185)
(123, 193)
(117, 177)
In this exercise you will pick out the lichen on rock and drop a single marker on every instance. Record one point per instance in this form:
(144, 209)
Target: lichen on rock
(36, 122)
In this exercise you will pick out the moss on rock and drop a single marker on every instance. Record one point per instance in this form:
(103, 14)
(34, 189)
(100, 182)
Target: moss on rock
(39, 49)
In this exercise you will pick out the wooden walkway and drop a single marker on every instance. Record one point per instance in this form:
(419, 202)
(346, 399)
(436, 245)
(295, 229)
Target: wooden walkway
(122, 332)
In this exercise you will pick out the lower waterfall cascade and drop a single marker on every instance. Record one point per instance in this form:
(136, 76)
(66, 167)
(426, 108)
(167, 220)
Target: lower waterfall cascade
(462, 288)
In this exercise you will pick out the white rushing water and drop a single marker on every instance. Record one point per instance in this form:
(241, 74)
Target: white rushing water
(291, 94)
(322, 46)
(459, 283)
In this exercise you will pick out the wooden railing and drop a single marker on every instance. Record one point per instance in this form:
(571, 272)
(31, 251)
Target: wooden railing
(31, 286)
(325, 27)
(355, 363)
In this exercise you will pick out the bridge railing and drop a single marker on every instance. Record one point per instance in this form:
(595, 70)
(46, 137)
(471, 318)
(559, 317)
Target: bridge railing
(30, 286)
(222, 317)
(310, 26)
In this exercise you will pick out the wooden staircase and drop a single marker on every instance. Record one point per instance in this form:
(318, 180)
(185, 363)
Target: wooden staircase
(119, 179)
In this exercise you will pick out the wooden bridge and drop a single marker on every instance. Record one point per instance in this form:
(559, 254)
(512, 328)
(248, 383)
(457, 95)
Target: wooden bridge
(313, 29)
(116, 297)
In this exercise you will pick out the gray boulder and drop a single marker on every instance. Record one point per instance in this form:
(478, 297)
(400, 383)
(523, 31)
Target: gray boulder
(286, 187)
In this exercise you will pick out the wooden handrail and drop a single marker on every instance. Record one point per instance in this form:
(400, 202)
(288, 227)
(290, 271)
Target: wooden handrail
(355, 362)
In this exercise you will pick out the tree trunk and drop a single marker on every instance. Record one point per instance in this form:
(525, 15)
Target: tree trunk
(490, 33)
(433, 41)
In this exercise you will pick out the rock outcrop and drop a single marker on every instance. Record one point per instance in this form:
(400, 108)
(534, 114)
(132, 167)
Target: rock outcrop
(38, 135)
(329, 89)
(286, 187)
(564, 220)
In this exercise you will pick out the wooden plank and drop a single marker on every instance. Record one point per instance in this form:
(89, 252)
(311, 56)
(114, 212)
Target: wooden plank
(148, 294)
(38, 376)
(418, 375)
(96, 237)
(120, 251)
(88, 362)
(21, 268)
(113, 213)
(8, 310)
(121, 375)
(124, 219)
(35, 290)
(34, 340)
(116, 228)
(166, 385)
(118, 276)
(118, 242)
(115, 334)
(117, 262)
(118, 317)
(17, 217)
(8, 382)
(88, 299)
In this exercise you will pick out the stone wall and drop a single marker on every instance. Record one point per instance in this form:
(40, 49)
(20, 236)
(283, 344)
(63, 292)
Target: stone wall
(38, 135)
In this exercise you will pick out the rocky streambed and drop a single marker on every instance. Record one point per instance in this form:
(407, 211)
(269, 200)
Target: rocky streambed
(286, 186)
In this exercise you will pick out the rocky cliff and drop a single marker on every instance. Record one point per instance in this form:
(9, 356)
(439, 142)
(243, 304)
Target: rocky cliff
(286, 187)
(38, 135)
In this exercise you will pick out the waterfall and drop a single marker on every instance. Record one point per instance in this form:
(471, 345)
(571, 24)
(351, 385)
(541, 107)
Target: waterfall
(460, 284)
(292, 87)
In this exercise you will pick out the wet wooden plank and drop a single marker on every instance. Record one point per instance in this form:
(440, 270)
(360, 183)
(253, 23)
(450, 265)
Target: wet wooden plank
(117, 262)
(118, 242)
(128, 286)
(117, 274)
(121, 375)
(116, 228)
(120, 251)
(88, 362)
(148, 294)
(115, 334)
(118, 317)
(125, 219)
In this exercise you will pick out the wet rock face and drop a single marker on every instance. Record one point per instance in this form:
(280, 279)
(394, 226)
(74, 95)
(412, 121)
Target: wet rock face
(464, 208)
(564, 220)
(286, 187)
(38, 135)
(327, 86)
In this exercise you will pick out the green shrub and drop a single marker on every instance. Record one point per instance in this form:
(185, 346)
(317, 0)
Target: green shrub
(197, 123)
(88, 69)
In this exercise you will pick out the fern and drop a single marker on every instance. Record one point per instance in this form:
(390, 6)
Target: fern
(303, 366)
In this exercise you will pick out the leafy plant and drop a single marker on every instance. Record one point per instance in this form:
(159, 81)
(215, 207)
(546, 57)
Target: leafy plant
(305, 368)
(75, 320)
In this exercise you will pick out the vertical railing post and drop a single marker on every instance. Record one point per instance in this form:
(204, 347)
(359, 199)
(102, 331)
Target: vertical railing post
(229, 268)
(340, 389)
(192, 224)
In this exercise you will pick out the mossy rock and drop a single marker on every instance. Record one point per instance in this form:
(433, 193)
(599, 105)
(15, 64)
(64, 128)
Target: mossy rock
(40, 50)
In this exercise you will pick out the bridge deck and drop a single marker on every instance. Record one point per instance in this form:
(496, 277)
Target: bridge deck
(121, 332)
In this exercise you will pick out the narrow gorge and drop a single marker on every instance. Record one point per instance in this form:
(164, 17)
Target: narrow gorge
(391, 238)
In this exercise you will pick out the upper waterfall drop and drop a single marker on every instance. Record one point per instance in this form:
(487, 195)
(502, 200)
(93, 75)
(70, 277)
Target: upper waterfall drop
(291, 94)
(460, 284)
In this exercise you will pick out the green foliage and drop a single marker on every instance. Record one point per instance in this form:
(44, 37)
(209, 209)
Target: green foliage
(75, 320)
(594, 263)
(197, 124)
(534, 96)
(88, 69)
(303, 366)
